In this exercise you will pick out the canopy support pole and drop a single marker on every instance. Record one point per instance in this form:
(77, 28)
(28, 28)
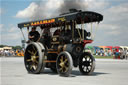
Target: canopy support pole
(82, 26)
(78, 32)
(23, 34)
(96, 28)
(91, 30)
(72, 31)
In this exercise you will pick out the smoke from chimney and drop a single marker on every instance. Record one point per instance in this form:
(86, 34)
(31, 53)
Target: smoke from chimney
(73, 4)
(52, 8)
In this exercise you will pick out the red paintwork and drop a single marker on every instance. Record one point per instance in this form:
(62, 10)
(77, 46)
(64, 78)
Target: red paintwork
(117, 48)
(109, 47)
(87, 41)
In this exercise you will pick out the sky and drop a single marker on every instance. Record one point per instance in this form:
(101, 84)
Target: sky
(112, 31)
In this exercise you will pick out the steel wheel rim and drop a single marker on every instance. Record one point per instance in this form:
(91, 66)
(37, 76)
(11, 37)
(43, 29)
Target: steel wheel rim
(86, 63)
(63, 64)
(32, 59)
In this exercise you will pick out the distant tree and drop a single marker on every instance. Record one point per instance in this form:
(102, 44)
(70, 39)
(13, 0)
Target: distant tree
(16, 47)
(13, 47)
(2, 46)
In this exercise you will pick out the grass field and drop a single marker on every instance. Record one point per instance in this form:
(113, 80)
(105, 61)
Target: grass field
(103, 57)
(99, 57)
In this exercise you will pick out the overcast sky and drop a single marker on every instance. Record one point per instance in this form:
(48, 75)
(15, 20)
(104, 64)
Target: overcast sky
(112, 31)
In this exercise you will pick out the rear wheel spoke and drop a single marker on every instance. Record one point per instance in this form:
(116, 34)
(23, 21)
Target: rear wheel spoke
(36, 61)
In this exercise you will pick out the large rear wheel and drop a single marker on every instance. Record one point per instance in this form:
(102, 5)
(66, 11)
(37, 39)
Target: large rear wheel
(86, 63)
(64, 64)
(34, 57)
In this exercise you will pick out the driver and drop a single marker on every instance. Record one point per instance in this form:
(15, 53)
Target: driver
(33, 35)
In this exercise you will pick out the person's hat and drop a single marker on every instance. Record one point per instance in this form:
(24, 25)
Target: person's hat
(34, 27)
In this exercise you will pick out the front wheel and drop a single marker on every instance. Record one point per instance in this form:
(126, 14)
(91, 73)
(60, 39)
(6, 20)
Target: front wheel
(64, 64)
(34, 58)
(86, 63)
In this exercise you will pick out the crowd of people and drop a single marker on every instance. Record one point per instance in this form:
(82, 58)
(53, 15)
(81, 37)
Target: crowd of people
(122, 54)
(101, 52)
(9, 53)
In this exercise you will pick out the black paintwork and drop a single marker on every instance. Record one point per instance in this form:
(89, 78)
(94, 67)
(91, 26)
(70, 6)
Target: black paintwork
(79, 17)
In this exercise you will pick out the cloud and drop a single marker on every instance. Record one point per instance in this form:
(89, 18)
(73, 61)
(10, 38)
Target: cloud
(118, 13)
(28, 12)
(0, 11)
(11, 35)
(97, 5)
(40, 10)
(1, 26)
(114, 26)
(116, 19)
(46, 9)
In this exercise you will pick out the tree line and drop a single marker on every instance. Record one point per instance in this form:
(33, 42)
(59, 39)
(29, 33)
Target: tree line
(13, 47)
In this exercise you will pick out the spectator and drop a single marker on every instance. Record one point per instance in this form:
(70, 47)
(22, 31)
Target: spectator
(127, 55)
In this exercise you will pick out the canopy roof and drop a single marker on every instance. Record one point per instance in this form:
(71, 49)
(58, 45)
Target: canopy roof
(79, 16)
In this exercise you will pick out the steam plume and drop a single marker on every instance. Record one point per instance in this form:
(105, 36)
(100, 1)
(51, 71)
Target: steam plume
(52, 8)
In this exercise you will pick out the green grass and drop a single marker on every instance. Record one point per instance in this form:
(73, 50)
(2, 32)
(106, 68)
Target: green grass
(103, 57)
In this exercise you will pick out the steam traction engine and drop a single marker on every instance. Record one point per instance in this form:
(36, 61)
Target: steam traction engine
(65, 47)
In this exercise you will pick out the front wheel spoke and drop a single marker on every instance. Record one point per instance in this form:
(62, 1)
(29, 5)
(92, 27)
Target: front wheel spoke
(31, 67)
(35, 53)
(37, 56)
(30, 52)
(28, 60)
(33, 48)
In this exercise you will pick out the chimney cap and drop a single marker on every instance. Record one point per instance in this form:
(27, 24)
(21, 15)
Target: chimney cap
(74, 10)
